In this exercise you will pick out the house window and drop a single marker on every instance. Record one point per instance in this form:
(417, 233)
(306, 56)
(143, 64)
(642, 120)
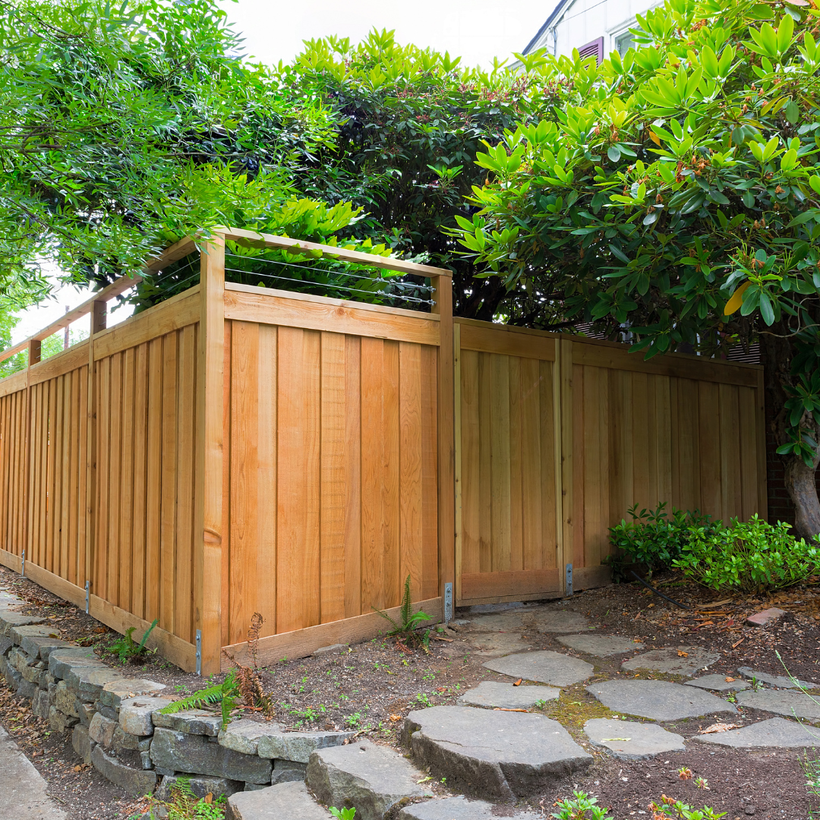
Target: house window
(623, 42)
(593, 49)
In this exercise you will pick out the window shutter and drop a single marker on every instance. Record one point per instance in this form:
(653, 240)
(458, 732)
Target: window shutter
(593, 49)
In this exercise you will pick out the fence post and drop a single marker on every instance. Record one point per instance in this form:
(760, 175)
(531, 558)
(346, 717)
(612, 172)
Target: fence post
(564, 477)
(34, 352)
(443, 297)
(209, 442)
(98, 323)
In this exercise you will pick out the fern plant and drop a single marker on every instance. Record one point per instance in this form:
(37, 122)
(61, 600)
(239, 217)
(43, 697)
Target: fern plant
(405, 628)
(127, 649)
(226, 694)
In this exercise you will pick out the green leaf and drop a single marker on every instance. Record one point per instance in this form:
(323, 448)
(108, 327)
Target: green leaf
(613, 153)
(766, 309)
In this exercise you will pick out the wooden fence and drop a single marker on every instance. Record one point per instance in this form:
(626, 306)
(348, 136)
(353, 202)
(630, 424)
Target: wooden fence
(557, 436)
(238, 449)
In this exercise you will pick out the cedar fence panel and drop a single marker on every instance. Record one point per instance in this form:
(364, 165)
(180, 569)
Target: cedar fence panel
(237, 449)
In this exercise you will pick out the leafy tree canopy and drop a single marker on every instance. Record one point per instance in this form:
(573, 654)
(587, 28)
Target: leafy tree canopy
(677, 193)
(124, 130)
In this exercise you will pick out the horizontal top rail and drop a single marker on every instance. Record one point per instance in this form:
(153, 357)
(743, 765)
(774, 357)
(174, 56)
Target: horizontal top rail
(249, 238)
(124, 283)
(264, 240)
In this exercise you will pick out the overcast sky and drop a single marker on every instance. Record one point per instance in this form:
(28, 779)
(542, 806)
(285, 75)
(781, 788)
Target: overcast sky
(476, 30)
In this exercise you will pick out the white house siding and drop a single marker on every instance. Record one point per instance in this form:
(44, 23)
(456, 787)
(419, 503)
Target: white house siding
(584, 21)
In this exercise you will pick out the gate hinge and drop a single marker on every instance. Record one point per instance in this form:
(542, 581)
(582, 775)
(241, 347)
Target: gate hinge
(199, 651)
(568, 588)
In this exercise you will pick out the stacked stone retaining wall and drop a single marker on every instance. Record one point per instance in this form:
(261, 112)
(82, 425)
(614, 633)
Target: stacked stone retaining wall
(116, 725)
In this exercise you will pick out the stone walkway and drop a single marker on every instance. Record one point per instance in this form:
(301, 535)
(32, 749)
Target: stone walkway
(492, 749)
(22, 788)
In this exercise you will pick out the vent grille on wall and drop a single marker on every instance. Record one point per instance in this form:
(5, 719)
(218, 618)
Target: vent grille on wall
(593, 49)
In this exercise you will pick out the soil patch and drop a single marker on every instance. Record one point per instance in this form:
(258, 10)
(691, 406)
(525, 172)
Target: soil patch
(371, 687)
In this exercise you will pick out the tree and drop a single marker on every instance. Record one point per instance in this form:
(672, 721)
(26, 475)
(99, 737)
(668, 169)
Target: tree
(123, 129)
(678, 194)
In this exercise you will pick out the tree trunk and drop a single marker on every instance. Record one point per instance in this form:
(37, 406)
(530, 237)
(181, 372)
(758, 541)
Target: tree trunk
(801, 482)
(800, 479)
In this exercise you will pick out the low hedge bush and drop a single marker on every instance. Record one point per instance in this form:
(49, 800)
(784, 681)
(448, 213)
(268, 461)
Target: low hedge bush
(749, 557)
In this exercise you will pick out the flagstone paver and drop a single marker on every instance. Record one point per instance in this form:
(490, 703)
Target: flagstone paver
(560, 620)
(496, 644)
(600, 646)
(775, 733)
(459, 808)
(790, 703)
(718, 683)
(657, 700)
(493, 755)
(780, 681)
(497, 695)
(629, 740)
(680, 660)
(371, 778)
(545, 667)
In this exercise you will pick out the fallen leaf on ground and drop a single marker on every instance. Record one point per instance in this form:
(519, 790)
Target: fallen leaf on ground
(394, 718)
(682, 654)
(718, 727)
(729, 680)
(519, 682)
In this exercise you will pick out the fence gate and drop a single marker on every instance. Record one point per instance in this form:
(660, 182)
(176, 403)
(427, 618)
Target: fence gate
(508, 498)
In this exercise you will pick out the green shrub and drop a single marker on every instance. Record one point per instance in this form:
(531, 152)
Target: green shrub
(749, 557)
(655, 538)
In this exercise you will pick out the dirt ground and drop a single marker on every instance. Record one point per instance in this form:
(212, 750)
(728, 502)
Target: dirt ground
(369, 688)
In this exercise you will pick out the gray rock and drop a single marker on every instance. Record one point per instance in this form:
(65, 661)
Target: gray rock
(40, 704)
(60, 661)
(370, 778)
(298, 746)
(287, 801)
(18, 632)
(718, 683)
(494, 644)
(5, 644)
(9, 620)
(125, 742)
(200, 786)
(116, 691)
(193, 753)
(792, 704)
(102, 730)
(65, 700)
(560, 620)
(780, 681)
(629, 740)
(494, 755)
(26, 689)
(58, 721)
(657, 700)
(286, 771)
(135, 715)
(145, 760)
(82, 743)
(88, 681)
(107, 711)
(191, 722)
(681, 660)
(493, 694)
(243, 736)
(136, 782)
(775, 733)
(600, 646)
(86, 712)
(458, 808)
(34, 673)
(42, 647)
(544, 666)
(333, 649)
